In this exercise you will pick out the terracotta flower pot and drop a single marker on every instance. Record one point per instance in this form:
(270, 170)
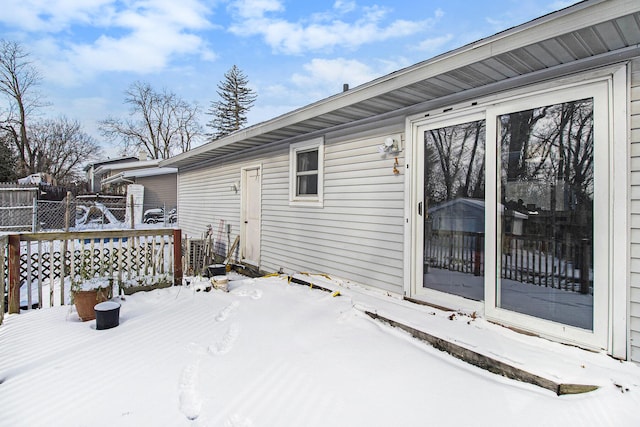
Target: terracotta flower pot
(85, 302)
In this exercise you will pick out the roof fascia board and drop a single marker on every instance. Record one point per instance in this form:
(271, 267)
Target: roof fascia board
(582, 15)
(99, 163)
(559, 71)
(471, 94)
(126, 165)
(141, 173)
(356, 126)
(114, 179)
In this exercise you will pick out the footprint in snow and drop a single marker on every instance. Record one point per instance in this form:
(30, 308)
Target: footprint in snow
(237, 421)
(197, 349)
(227, 341)
(189, 398)
(253, 293)
(226, 312)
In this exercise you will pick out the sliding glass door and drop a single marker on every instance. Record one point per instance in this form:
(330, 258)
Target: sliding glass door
(513, 208)
(454, 183)
(546, 210)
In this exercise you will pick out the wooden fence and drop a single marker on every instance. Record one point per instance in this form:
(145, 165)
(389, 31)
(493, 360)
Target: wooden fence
(17, 207)
(39, 261)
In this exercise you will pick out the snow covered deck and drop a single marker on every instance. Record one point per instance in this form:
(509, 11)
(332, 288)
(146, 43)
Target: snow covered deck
(273, 353)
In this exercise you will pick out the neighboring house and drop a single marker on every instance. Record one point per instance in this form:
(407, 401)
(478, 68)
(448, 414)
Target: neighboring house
(160, 185)
(37, 178)
(94, 171)
(546, 114)
(467, 216)
(113, 177)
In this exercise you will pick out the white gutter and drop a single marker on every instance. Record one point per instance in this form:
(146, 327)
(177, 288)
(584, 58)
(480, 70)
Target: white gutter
(101, 170)
(114, 179)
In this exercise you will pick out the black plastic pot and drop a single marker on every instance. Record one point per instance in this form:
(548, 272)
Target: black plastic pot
(216, 270)
(107, 315)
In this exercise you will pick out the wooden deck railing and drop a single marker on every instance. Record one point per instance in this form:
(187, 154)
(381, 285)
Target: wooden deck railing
(4, 240)
(456, 251)
(39, 260)
(529, 259)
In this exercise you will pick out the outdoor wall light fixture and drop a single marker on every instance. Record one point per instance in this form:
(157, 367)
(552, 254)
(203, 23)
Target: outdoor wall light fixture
(390, 146)
(235, 186)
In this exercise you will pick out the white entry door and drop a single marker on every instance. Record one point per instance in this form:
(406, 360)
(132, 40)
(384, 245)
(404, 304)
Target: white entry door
(251, 213)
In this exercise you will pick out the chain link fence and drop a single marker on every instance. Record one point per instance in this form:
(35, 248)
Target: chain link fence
(17, 217)
(80, 213)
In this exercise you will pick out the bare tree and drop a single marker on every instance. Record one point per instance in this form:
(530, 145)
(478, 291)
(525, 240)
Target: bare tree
(18, 81)
(161, 123)
(550, 144)
(61, 147)
(455, 155)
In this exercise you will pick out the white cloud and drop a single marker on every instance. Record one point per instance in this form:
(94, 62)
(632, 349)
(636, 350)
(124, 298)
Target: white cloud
(185, 14)
(434, 44)
(523, 11)
(261, 113)
(344, 6)
(57, 15)
(256, 8)
(141, 52)
(319, 79)
(137, 36)
(325, 32)
(325, 77)
(51, 15)
(334, 72)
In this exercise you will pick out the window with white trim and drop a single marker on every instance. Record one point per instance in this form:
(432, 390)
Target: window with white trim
(306, 172)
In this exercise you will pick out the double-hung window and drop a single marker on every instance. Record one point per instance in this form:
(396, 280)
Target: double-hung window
(306, 172)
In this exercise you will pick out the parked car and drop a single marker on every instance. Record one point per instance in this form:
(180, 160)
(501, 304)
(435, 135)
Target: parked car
(172, 217)
(156, 215)
(94, 216)
(153, 216)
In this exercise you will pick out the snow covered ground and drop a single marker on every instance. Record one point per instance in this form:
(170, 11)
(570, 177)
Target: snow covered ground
(270, 353)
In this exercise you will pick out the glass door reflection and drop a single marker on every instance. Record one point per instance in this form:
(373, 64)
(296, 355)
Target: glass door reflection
(454, 185)
(545, 213)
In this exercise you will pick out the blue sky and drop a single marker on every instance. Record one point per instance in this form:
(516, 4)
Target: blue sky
(294, 53)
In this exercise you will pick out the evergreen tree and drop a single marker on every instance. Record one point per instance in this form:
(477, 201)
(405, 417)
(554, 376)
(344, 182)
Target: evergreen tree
(236, 98)
(8, 160)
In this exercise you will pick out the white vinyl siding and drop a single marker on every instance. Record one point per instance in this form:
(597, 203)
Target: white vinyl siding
(358, 233)
(634, 293)
(206, 196)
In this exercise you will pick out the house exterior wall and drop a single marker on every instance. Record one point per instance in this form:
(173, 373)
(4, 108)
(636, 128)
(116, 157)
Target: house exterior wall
(358, 233)
(160, 191)
(634, 292)
(206, 197)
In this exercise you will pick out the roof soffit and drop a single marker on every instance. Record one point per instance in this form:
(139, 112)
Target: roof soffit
(588, 28)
